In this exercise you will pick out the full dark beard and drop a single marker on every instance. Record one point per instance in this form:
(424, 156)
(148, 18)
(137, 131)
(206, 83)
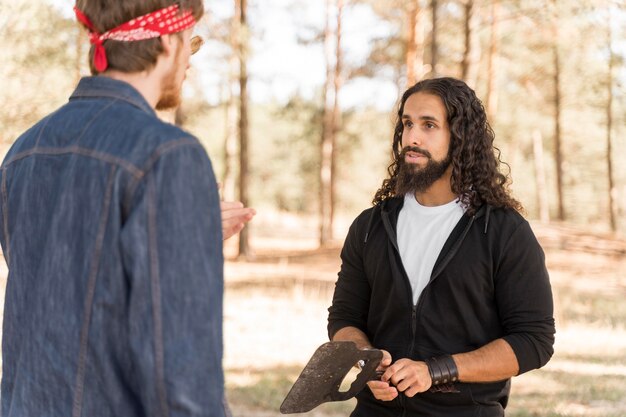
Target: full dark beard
(411, 178)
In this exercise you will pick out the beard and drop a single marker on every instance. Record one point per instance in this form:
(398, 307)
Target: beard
(170, 98)
(412, 178)
(171, 90)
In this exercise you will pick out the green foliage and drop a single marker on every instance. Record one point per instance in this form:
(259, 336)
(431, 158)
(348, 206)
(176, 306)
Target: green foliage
(41, 62)
(38, 64)
(577, 395)
(286, 157)
(283, 147)
(364, 155)
(292, 174)
(269, 388)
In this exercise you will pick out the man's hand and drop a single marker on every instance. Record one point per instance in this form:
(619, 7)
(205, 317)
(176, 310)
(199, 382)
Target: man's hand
(234, 217)
(383, 390)
(410, 377)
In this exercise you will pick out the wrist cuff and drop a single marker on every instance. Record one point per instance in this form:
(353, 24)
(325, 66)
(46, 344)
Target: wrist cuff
(442, 370)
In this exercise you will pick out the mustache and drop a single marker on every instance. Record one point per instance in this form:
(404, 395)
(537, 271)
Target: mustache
(414, 149)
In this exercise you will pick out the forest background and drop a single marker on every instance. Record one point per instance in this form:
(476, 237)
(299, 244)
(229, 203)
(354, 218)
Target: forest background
(295, 102)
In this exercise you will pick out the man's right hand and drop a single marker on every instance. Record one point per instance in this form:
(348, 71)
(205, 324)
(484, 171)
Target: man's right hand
(234, 217)
(383, 391)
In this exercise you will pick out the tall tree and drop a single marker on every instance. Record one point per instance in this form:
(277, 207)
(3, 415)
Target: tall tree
(243, 41)
(558, 151)
(327, 141)
(609, 125)
(336, 125)
(433, 38)
(540, 178)
(230, 117)
(471, 51)
(331, 119)
(402, 52)
(492, 61)
(414, 42)
(229, 179)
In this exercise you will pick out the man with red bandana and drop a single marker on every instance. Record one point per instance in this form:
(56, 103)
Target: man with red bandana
(111, 228)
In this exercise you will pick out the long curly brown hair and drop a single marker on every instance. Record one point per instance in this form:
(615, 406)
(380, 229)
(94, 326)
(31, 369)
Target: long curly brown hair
(476, 176)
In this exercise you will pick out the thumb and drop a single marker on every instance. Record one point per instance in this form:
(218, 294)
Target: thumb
(386, 360)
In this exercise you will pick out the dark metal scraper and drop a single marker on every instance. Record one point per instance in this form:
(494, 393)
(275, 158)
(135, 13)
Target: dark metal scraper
(321, 378)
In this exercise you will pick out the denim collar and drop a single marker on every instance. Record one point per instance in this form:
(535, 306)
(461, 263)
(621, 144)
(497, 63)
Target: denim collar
(106, 87)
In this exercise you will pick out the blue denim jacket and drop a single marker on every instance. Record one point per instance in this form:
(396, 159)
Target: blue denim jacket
(111, 229)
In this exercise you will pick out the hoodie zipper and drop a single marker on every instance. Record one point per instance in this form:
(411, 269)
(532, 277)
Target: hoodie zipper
(436, 272)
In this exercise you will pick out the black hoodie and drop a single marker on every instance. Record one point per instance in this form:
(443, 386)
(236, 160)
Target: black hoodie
(489, 282)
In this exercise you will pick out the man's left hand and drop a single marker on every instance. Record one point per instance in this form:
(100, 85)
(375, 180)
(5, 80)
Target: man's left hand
(410, 377)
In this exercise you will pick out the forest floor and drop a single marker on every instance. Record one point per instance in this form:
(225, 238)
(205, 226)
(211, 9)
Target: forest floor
(275, 318)
(275, 313)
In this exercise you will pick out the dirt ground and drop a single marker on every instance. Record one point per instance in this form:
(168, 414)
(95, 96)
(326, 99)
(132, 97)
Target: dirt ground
(276, 306)
(275, 317)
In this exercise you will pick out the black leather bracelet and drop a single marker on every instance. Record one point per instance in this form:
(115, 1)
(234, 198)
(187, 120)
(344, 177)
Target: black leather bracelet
(442, 370)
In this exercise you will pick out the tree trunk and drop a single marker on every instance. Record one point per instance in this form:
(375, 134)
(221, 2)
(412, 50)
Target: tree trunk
(492, 63)
(230, 143)
(415, 43)
(433, 40)
(540, 178)
(327, 140)
(240, 8)
(471, 53)
(558, 154)
(230, 116)
(609, 127)
(336, 121)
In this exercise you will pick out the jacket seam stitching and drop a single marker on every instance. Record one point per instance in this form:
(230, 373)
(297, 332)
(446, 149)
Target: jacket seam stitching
(134, 171)
(156, 300)
(147, 167)
(81, 133)
(102, 110)
(5, 216)
(127, 99)
(44, 127)
(91, 287)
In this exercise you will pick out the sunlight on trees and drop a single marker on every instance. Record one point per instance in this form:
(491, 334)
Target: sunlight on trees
(551, 74)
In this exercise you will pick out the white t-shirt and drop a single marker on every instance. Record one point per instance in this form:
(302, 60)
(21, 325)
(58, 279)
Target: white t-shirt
(422, 232)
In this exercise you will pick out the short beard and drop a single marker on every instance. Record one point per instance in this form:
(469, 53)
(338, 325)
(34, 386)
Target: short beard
(413, 179)
(170, 92)
(170, 95)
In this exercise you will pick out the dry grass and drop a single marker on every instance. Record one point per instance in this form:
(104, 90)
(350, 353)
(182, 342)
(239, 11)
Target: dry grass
(276, 308)
(275, 317)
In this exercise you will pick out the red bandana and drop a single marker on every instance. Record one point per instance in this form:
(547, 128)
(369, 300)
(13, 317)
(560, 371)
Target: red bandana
(152, 25)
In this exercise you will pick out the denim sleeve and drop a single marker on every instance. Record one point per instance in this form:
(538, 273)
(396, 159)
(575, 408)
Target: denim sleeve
(172, 249)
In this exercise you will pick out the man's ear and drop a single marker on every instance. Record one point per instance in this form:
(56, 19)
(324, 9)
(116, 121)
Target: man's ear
(168, 44)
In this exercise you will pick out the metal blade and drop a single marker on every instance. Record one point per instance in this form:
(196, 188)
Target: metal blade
(321, 378)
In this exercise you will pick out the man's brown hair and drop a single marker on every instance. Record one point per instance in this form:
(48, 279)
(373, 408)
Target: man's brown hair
(133, 56)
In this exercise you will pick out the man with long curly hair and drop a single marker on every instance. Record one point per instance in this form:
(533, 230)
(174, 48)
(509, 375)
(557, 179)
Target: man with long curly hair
(443, 274)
